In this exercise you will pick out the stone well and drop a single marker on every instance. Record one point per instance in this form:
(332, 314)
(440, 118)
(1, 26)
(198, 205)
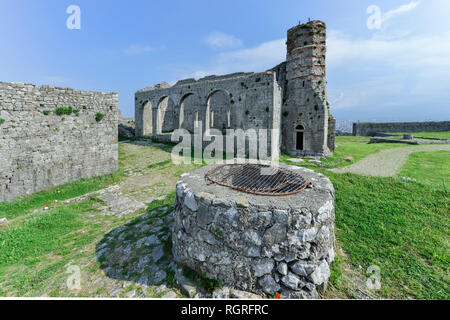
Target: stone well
(257, 243)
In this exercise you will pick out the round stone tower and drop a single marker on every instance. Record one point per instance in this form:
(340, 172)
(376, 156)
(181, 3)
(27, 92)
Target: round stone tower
(305, 107)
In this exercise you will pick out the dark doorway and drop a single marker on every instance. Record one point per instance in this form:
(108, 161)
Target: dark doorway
(299, 140)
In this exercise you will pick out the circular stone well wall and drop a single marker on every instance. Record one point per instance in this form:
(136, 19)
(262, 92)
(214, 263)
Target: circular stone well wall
(261, 244)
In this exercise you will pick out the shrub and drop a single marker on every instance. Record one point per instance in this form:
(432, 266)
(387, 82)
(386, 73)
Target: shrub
(2, 121)
(99, 117)
(84, 107)
(64, 110)
(46, 112)
(258, 79)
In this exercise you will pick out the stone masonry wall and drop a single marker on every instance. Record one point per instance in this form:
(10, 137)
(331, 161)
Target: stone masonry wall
(371, 128)
(40, 149)
(236, 101)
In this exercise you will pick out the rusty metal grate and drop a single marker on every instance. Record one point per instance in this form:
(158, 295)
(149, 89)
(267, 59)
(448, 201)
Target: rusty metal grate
(257, 179)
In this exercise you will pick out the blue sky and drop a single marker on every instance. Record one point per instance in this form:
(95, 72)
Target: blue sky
(398, 72)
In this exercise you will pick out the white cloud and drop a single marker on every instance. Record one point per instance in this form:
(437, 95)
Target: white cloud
(260, 58)
(136, 49)
(222, 41)
(414, 52)
(402, 9)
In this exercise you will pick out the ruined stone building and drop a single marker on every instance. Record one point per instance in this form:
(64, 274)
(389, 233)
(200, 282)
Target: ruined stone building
(291, 98)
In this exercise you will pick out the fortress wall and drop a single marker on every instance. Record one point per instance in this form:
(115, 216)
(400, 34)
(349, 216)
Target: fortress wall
(40, 149)
(371, 128)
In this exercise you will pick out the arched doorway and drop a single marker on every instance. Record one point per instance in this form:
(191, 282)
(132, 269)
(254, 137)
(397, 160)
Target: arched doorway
(147, 121)
(218, 114)
(300, 137)
(190, 112)
(168, 116)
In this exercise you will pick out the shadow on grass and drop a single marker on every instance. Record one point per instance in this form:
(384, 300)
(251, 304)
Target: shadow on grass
(140, 250)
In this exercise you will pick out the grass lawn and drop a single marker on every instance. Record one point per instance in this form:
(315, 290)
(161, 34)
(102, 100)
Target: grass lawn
(429, 167)
(22, 205)
(401, 227)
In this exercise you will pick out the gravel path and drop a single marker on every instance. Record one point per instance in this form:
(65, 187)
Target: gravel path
(387, 163)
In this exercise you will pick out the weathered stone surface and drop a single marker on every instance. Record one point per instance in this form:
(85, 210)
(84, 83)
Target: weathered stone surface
(242, 201)
(264, 267)
(282, 268)
(321, 273)
(126, 131)
(301, 236)
(302, 268)
(158, 253)
(252, 237)
(187, 287)
(275, 234)
(269, 285)
(292, 281)
(170, 295)
(190, 202)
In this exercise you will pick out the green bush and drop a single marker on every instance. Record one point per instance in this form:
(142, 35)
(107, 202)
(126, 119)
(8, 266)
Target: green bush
(2, 121)
(99, 117)
(64, 110)
(46, 112)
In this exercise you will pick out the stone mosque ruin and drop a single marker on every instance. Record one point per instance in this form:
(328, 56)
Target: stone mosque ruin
(290, 100)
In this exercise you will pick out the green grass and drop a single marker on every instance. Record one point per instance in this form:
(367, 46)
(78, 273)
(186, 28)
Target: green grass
(21, 206)
(160, 164)
(442, 135)
(428, 167)
(400, 227)
(42, 234)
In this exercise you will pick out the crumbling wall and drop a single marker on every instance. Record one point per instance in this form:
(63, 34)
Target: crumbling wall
(40, 149)
(371, 128)
(236, 101)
